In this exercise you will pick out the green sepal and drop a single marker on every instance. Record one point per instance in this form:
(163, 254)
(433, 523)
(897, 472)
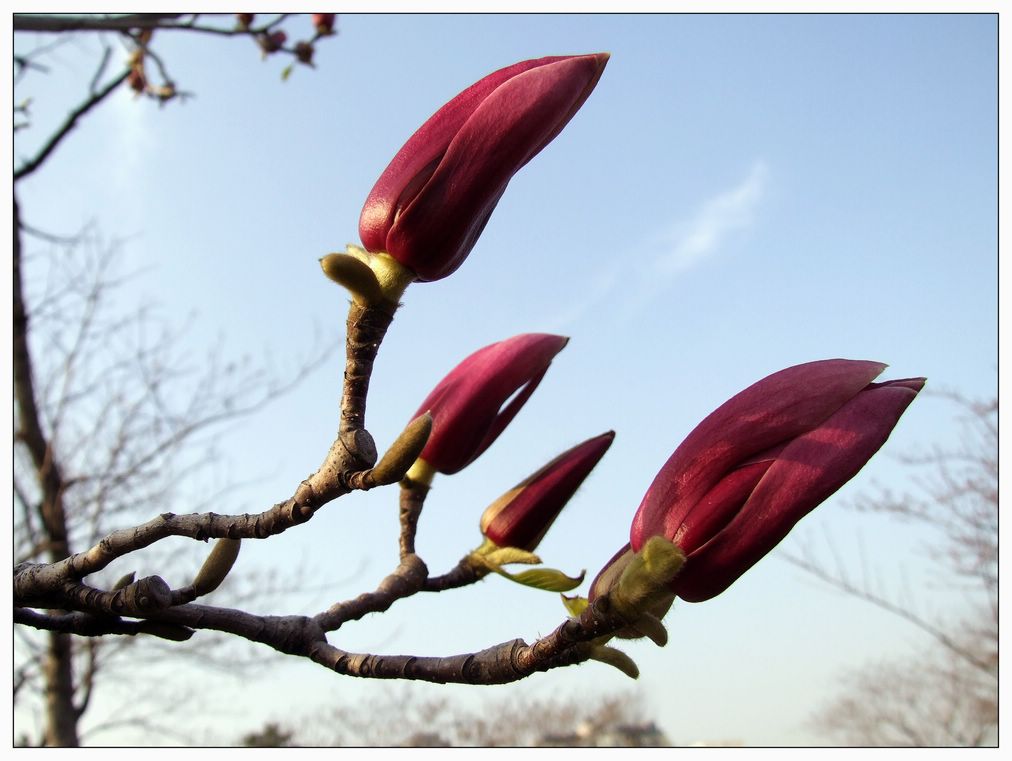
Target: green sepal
(355, 275)
(651, 626)
(506, 555)
(575, 605)
(549, 579)
(616, 658)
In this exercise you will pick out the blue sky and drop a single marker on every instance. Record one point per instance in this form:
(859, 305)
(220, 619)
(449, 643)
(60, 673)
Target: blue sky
(739, 194)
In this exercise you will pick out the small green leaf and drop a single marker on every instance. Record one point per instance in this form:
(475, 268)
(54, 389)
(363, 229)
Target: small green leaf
(286, 72)
(575, 605)
(549, 579)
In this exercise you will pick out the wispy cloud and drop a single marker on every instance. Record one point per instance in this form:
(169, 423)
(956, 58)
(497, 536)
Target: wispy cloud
(680, 247)
(690, 242)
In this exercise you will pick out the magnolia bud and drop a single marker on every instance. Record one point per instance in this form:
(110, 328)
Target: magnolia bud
(217, 566)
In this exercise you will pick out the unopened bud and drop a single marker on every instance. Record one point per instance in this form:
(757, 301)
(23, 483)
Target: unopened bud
(244, 20)
(217, 566)
(324, 22)
(402, 454)
(304, 52)
(271, 43)
(136, 80)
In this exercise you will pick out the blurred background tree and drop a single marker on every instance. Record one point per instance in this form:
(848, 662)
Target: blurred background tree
(947, 695)
(113, 414)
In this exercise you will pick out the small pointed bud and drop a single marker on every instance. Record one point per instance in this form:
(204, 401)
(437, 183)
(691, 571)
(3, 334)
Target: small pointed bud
(394, 465)
(304, 52)
(522, 516)
(244, 20)
(324, 22)
(217, 566)
(273, 42)
(123, 581)
(615, 658)
(136, 80)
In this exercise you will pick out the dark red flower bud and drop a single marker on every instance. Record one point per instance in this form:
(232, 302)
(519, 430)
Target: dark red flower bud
(522, 516)
(467, 406)
(432, 202)
(762, 461)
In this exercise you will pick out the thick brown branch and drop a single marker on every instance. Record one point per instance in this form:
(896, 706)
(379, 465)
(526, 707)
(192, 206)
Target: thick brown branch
(30, 431)
(366, 327)
(88, 625)
(569, 644)
(412, 500)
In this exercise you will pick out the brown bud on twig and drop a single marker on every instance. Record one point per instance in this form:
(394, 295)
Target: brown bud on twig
(217, 566)
(271, 43)
(403, 452)
(304, 52)
(123, 581)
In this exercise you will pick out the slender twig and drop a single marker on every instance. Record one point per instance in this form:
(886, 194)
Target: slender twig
(96, 97)
(878, 601)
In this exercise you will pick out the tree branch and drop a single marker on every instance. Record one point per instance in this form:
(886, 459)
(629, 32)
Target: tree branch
(96, 97)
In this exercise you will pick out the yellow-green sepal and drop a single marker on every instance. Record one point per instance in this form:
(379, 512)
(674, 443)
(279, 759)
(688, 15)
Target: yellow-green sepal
(548, 579)
(379, 281)
(616, 658)
(355, 275)
(575, 605)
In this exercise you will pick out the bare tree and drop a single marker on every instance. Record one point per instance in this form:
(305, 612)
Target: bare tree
(400, 718)
(946, 695)
(110, 412)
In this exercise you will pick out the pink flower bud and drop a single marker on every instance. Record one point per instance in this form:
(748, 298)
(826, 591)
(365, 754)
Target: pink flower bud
(522, 516)
(432, 202)
(465, 406)
(762, 461)
(324, 22)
